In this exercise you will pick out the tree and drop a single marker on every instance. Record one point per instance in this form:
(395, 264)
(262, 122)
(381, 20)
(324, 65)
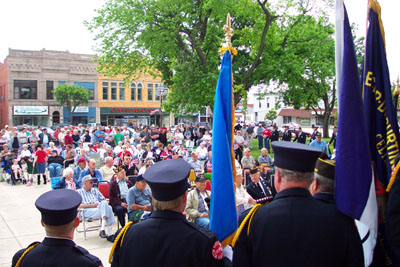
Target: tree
(71, 96)
(181, 38)
(271, 115)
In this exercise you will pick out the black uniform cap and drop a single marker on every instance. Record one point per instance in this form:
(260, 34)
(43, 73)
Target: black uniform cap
(168, 179)
(325, 167)
(295, 156)
(58, 207)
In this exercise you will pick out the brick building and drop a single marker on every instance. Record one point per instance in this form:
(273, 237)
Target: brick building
(27, 81)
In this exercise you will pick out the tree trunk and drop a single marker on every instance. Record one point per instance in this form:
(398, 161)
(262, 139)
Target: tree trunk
(326, 118)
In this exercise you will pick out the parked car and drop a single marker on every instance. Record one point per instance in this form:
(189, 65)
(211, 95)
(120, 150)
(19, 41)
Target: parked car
(294, 128)
(61, 125)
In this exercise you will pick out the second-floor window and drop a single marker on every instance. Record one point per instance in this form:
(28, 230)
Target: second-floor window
(139, 92)
(49, 90)
(113, 91)
(121, 91)
(150, 89)
(133, 92)
(25, 89)
(105, 90)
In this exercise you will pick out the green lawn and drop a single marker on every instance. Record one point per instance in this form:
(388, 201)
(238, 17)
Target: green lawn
(255, 152)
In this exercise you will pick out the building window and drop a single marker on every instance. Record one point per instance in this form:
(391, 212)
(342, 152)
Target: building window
(139, 92)
(49, 90)
(259, 103)
(105, 90)
(121, 91)
(287, 119)
(305, 121)
(267, 102)
(88, 86)
(113, 91)
(25, 89)
(133, 92)
(157, 95)
(150, 91)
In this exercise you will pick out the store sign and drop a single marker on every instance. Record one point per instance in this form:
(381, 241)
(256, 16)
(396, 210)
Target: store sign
(31, 110)
(81, 109)
(131, 110)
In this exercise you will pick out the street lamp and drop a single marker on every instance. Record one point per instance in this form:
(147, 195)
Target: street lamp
(161, 91)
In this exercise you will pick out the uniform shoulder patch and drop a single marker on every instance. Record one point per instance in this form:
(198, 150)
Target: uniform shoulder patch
(217, 251)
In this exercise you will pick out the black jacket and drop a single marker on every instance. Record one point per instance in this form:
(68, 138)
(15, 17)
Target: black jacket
(256, 193)
(297, 230)
(57, 252)
(301, 137)
(274, 135)
(287, 136)
(333, 140)
(166, 239)
(57, 159)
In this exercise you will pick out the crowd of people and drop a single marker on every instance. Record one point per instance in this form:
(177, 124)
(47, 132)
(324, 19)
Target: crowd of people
(121, 156)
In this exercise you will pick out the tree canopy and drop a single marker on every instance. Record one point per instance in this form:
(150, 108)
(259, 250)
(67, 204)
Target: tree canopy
(71, 96)
(181, 38)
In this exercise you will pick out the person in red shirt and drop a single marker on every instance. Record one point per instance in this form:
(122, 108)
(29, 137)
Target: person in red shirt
(124, 152)
(68, 139)
(40, 164)
(266, 136)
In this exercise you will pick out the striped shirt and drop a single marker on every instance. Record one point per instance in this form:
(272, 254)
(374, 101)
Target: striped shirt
(91, 196)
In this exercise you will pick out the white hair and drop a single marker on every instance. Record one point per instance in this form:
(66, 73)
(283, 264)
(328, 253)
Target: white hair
(51, 143)
(107, 159)
(68, 171)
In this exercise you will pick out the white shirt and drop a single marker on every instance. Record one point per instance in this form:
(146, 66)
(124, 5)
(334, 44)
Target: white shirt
(25, 153)
(202, 152)
(242, 197)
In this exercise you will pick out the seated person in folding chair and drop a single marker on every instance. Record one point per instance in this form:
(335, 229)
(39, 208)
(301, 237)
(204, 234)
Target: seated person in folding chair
(55, 164)
(107, 171)
(139, 200)
(92, 171)
(129, 167)
(96, 207)
(118, 193)
(70, 155)
(67, 181)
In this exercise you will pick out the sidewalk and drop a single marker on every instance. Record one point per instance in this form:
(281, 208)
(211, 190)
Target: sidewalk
(20, 224)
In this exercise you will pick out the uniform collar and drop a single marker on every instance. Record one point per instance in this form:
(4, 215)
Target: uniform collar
(293, 192)
(58, 241)
(325, 197)
(167, 214)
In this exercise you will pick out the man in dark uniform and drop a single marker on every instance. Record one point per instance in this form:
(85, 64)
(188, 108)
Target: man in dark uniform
(295, 229)
(301, 137)
(287, 135)
(59, 209)
(314, 134)
(258, 188)
(167, 238)
(323, 186)
(333, 138)
(274, 134)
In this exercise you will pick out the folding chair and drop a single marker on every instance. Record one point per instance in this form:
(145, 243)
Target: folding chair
(105, 191)
(103, 188)
(84, 220)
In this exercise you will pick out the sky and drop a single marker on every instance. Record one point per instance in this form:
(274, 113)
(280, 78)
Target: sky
(58, 25)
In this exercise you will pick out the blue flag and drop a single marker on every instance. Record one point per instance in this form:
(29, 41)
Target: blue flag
(379, 110)
(353, 175)
(223, 216)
